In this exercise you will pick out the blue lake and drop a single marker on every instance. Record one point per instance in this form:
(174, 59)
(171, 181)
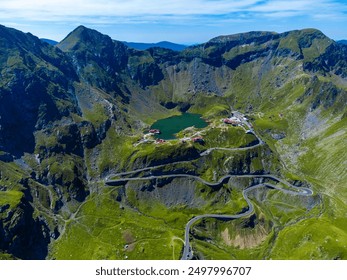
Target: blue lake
(170, 126)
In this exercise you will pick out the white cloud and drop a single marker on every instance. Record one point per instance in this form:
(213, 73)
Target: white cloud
(121, 8)
(308, 8)
(280, 6)
(104, 11)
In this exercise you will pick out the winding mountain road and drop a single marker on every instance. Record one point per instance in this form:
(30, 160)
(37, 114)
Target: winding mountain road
(299, 190)
(187, 250)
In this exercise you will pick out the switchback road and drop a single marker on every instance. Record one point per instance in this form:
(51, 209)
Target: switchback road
(187, 250)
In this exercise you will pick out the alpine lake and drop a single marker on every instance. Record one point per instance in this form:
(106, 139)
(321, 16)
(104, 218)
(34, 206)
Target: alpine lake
(172, 125)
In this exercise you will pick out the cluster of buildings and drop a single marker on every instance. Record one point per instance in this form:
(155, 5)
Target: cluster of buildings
(196, 139)
(159, 141)
(233, 121)
(236, 119)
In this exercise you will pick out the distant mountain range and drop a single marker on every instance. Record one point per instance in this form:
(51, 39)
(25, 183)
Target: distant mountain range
(49, 41)
(344, 42)
(138, 46)
(163, 44)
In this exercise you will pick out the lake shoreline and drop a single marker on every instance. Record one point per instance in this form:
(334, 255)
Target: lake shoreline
(168, 127)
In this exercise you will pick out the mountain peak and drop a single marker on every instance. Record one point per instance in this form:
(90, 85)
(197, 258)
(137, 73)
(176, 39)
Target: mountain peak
(307, 32)
(83, 36)
(80, 27)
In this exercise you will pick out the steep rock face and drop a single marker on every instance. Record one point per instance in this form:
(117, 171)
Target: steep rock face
(22, 235)
(216, 67)
(324, 94)
(96, 58)
(34, 76)
(37, 95)
(332, 60)
(254, 63)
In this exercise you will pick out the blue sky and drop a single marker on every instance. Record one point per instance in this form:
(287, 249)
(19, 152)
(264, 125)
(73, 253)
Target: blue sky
(181, 21)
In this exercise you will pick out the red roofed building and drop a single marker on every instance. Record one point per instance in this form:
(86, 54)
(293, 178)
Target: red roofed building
(154, 131)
